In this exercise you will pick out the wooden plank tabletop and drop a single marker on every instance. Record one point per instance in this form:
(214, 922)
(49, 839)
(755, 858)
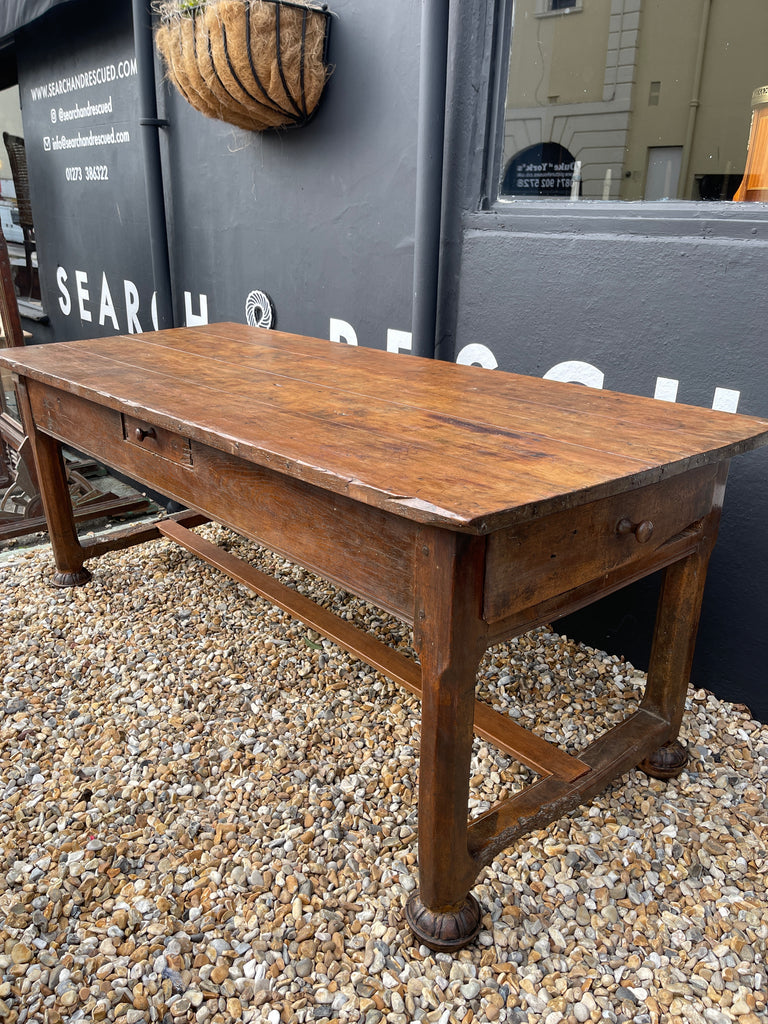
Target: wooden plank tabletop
(460, 446)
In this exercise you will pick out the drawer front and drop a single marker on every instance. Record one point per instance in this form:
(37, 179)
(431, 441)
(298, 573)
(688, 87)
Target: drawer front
(540, 560)
(157, 440)
(363, 549)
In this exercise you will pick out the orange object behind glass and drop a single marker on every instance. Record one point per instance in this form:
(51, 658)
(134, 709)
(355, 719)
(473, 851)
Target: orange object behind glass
(754, 184)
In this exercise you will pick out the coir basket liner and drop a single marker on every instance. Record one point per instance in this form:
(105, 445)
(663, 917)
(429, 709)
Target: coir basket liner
(256, 64)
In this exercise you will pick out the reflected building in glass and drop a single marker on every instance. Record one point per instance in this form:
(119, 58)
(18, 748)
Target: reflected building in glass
(632, 99)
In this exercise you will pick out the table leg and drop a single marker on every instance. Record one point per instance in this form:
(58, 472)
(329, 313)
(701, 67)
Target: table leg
(674, 638)
(449, 638)
(68, 554)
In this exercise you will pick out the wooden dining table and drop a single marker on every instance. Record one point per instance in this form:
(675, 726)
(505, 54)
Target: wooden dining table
(473, 504)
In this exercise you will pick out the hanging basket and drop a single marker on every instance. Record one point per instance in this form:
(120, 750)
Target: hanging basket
(256, 64)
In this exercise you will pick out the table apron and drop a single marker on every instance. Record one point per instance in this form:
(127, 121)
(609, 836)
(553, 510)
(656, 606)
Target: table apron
(565, 557)
(361, 548)
(535, 572)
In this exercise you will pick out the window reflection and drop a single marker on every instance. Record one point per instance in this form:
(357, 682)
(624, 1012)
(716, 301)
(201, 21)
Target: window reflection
(637, 99)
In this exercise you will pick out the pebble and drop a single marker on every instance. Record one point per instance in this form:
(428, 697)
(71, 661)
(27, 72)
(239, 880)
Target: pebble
(208, 813)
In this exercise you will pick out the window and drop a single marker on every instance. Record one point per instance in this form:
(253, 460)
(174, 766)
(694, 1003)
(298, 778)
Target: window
(648, 100)
(546, 7)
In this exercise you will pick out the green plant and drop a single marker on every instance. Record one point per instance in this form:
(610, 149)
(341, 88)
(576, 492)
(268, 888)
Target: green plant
(169, 9)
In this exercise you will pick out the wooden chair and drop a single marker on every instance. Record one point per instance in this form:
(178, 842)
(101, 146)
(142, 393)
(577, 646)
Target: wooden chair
(11, 432)
(17, 155)
(21, 509)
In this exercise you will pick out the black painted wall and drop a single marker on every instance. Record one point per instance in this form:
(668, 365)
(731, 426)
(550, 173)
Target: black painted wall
(638, 307)
(320, 218)
(78, 84)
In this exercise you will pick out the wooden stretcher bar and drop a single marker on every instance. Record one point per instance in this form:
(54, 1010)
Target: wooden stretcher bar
(539, 754)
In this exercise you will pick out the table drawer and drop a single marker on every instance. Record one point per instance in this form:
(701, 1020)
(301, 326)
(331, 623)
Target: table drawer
(157, 440)
(539, 560)
(362, 549)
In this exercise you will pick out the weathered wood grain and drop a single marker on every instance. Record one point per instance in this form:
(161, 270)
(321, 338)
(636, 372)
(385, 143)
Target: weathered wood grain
(535, 561)
(472, 449)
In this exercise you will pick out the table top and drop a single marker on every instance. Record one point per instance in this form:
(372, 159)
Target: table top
(458, 446)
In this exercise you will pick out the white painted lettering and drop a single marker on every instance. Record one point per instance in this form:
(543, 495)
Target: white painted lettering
(107, 306)
(399, 341)
(65, 299)
(132, 307)
(477, 355)
(726, 400)
(192, 319)
(666, 389)
(340, 330)
(573, 371)
(81, 280)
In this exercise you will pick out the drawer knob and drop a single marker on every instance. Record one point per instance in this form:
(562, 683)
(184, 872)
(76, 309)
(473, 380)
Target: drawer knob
(141, 433)
(643, 530)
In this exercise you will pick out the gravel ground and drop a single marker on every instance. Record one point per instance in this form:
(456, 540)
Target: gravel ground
(208, 813)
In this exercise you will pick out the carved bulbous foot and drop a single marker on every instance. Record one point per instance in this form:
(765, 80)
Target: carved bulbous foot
(667, 762)
(444, 932)
(71, 579)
